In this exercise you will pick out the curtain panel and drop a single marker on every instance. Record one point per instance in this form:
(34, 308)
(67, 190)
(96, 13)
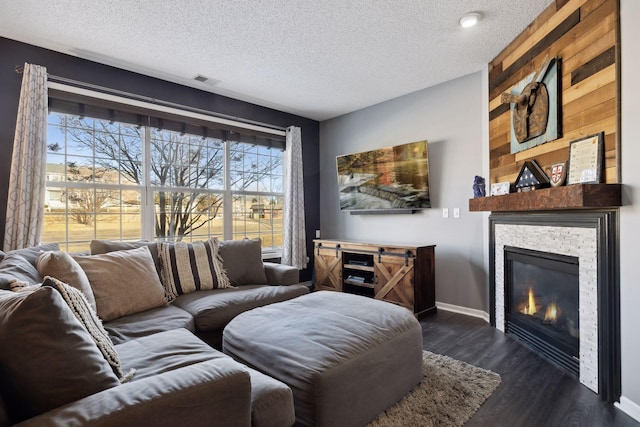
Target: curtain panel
(294, 245)
(25, 203)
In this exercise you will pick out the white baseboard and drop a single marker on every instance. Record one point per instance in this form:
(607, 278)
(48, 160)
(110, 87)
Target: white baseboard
(629, 407)
(463, 310)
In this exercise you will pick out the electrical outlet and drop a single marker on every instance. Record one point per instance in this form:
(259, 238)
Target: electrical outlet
(445, 212)
(317, 234)
(456, 212)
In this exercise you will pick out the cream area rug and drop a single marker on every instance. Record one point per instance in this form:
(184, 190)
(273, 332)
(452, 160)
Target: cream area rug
(450, 393)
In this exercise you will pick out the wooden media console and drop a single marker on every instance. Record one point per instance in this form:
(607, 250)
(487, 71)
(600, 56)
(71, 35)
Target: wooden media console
(403, 275)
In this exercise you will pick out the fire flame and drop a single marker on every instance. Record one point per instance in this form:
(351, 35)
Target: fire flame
(530, 309)
(551, 315)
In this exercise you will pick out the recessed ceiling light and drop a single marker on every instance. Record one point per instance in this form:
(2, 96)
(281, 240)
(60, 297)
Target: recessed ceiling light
(470, 19)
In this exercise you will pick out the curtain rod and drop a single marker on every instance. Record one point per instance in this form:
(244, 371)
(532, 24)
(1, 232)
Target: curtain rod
(265, 127)
(217, 117)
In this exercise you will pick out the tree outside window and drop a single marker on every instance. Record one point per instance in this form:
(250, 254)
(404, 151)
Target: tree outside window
(96, 179)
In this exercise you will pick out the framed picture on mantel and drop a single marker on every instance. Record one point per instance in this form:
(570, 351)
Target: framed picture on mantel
(585, 160)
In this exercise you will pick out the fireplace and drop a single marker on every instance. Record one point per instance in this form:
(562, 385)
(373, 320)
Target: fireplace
(575, 249)
(542, 304)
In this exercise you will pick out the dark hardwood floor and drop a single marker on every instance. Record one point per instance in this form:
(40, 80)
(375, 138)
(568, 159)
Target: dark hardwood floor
(533, 392)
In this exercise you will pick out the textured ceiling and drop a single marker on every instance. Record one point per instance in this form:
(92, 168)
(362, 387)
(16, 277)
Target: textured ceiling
(315, 58)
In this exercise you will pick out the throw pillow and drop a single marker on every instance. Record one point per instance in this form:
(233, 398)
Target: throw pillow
(63, 267)
(80, 308)
(47, 358)
(105, 246)
(123, 282)
(189, 267)
(242, 260)
(16, 268)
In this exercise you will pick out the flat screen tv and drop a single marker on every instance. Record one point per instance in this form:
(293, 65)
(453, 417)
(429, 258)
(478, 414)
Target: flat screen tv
(385, 179)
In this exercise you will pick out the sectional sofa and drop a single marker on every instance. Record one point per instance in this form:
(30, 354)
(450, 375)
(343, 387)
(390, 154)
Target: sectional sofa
(54, 371)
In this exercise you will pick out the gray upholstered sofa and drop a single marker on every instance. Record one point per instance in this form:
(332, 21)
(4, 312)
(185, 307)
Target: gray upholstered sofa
(52, 374)
(206, 313)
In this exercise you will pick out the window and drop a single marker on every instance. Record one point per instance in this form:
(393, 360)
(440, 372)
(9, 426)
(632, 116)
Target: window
(157, 179)
(257, 189)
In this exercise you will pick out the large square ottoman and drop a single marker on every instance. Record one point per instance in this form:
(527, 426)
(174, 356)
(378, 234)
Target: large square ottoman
(346, 358)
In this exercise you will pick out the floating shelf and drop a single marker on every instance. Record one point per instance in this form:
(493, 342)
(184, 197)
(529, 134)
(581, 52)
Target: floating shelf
(577, 196)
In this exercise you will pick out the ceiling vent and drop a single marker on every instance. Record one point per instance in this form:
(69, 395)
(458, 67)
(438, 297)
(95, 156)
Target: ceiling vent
(204, 79)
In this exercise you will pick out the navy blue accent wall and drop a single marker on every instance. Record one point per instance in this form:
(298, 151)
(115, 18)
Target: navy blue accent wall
(16, 54)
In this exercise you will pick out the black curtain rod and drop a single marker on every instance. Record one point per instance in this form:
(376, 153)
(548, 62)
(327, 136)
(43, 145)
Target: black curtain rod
(109, 91)
(20, 69)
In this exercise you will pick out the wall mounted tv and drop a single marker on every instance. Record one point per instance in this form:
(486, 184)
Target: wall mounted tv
(387, 179)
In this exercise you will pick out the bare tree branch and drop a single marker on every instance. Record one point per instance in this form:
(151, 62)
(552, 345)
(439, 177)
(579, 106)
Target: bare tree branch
(176, 161)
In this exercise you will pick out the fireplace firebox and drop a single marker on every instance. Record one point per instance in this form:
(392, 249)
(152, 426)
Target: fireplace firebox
(542, 304)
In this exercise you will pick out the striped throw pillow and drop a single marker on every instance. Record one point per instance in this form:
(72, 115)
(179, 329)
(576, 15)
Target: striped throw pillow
(189, 267)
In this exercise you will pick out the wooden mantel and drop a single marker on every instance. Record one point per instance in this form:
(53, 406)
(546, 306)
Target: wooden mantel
(577, 196)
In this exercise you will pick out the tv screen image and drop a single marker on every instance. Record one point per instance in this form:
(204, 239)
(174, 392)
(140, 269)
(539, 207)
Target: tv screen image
(388, 178)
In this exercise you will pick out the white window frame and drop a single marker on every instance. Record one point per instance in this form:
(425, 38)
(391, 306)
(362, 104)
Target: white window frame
(147, 215)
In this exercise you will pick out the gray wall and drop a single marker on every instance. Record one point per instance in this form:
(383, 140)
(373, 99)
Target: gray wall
(450, 117)
(630, 213)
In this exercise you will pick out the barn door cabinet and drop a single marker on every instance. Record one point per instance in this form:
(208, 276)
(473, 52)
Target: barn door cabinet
(403, 275)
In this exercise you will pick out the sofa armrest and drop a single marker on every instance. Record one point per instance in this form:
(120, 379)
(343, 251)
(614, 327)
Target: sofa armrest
(280, 274)
(215, 392)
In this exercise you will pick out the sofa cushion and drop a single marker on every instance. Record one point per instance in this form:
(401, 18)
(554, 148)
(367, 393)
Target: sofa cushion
(164, 352)
(123, 282)
(16, 268)
(149, 322)
(63, 267)
(19, 265)
(98, 247)
(280, 274)
(212, 310)
(190, 267)
(59, 362)
(271, 400)
(80, 308)
(242, 260)
(31, 253)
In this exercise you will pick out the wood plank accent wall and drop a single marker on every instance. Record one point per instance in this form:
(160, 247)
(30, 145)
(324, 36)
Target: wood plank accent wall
(585, 36)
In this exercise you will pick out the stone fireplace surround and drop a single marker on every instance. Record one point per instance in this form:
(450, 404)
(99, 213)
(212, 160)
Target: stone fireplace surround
(592, 237)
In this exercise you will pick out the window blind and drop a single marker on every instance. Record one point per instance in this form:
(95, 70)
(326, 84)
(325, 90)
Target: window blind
(145, 115)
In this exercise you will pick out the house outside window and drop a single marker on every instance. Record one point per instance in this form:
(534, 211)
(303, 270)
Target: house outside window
(157, 179)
